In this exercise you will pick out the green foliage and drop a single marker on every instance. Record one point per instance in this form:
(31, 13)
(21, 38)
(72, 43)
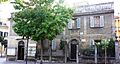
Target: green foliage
(3, 1)
(1, 38)
(110, 46)
(41, 19)
(3, 41)
(62, 45)
(21, 4)
(23, 26)
(89, 51)
(103, 44)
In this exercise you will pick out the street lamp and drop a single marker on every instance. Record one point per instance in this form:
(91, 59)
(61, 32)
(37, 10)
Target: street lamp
(95, 57)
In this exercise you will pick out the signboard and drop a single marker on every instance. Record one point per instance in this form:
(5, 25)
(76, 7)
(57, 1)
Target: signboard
(31, 51)
(10, 51)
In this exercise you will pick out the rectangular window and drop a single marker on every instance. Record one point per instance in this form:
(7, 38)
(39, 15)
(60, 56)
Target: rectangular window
(91, 21)
(70, 24)
(54, 45)
(0, 23)
(74, 23)
(1, 33)
(97, 21)
(78, 22)
(5, 34)
(102, 21)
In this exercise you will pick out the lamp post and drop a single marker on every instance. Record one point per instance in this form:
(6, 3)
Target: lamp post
(95, 57)
(65, 45)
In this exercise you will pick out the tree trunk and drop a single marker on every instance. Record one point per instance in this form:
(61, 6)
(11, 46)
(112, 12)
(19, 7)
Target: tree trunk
(27, 49)
(105, 55)
(41, 57)
(50, 57)
(95, 54)
(65, 50)
(36, 54)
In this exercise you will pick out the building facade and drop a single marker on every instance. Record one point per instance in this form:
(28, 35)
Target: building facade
(4, 27)
(90, 24)
(18, 46)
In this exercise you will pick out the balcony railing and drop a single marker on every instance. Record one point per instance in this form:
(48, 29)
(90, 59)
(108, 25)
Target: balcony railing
(95, 7)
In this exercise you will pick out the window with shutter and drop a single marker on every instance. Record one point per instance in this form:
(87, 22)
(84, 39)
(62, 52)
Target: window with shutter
(101, 21)
(53, 45)
(97, 21)
(78, 22)
(5, 34)
(91, 21)
(73, 24)
(70, 24)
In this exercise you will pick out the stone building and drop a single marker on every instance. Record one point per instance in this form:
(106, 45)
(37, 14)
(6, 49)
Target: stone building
(90, 23)
(17, 46)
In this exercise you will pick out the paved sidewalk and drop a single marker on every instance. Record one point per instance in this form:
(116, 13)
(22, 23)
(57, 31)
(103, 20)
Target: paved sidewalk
(3, 61)
(13, 62)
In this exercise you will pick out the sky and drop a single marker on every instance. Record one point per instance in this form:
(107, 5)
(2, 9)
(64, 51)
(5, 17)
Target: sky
(7, 8)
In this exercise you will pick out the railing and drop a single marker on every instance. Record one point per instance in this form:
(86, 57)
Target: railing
(101, 60)
(95, 7)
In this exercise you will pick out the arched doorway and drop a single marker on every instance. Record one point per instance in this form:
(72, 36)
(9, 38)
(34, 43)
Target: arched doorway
(73, 49)
(20, 50)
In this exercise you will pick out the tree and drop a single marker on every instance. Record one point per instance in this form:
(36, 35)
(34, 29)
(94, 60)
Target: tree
(41, 19)
(1, 38)
(111, 48)
(104, 45)
(50, 22)
(22, 19)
